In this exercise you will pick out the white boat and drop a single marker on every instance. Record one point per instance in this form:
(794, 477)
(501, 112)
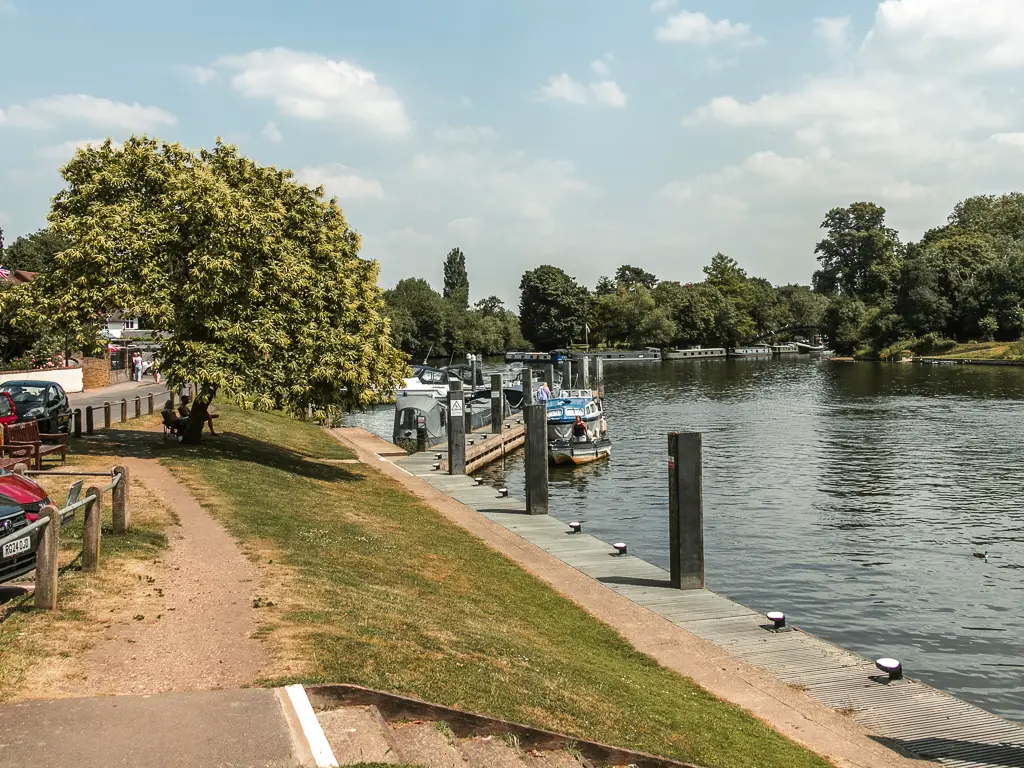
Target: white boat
(563, 409)
(757, 350)
(785, 349)
(569, 452)
(695, 353)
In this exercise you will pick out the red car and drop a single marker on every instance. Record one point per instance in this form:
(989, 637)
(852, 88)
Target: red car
(21, 499)
(7, 413)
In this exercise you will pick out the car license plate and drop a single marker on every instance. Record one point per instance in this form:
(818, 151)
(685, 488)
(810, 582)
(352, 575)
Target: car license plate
(17, 547)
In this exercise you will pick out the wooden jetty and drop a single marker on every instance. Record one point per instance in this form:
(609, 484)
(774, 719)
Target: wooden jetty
(483, 446)
(908, 715)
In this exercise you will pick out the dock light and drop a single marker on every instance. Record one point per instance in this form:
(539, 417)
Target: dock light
(471, 441)
(503, 492)
(891, 667)
(436, 465)
(576, 527)
(478, 480)
(620, 547)
(778, 618)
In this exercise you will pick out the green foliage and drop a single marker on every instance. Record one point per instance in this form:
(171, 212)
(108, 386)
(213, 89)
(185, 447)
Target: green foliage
(456, 279)
(628, 277)
(860, 256)
(631, 316)
(842, 323)
(553, 307)
(256, 278)
(418, 317)
(35, 252)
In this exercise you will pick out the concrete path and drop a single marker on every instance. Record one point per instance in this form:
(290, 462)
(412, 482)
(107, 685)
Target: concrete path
(200, 730)
(117, 392)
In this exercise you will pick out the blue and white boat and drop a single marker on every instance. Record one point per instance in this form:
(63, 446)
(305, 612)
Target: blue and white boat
(562, 412)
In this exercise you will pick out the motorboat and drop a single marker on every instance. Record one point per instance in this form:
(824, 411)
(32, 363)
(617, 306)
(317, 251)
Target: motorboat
(514, 387)
(415, 408)
(570, 452)
(426, 378)
(563, 410)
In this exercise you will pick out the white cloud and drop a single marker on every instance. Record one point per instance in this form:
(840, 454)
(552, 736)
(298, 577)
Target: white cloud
(599, 66)
(835, 31)
(340, 181)
(609, 93)
(697, 28)
(467, 134)
(563, 88)
(272, 133)
(201, 75)
(61, 153)
(48, 112)
(659, 6)
(1010, 139)
(715, 64)
(312, 87)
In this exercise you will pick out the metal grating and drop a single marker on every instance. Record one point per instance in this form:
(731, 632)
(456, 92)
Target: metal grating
(908, 715)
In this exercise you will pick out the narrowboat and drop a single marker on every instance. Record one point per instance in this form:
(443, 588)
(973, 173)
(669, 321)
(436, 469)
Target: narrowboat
(695, 353)
(757, 350)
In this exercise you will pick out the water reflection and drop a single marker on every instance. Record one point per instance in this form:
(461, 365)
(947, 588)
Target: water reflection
(851, 496)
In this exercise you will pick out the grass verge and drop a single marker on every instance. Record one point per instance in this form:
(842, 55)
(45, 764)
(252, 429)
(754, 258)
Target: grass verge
(41, 651)
(367, 585)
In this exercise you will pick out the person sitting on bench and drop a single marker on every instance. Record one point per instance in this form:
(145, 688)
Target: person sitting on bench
(185, 411)
(174, 424)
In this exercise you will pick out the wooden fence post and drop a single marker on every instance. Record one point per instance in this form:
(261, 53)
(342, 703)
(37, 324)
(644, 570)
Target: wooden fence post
(78, 422)
(138, 406)
(124, 410)
(90, 427)
(93, 530)
(456, 429)
(46, 560)
(20, 468)
(535, 417)
(119, 501)
(497, 403)
(149, 404)
(106, 415)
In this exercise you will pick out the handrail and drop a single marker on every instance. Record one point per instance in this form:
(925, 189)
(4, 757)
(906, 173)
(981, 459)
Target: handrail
(76, 505)
(112, 484)
(40, 523)
(65, 473)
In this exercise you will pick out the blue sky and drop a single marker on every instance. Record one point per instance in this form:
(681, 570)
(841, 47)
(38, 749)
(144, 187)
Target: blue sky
(582, 134)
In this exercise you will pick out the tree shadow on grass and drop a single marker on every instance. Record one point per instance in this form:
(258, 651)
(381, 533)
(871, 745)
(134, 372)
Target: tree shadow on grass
(225, 445)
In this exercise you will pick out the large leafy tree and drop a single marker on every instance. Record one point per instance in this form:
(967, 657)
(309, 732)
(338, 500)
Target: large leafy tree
(631, 277)
(552, 307)
(631, 316)
(418, 316)
(256, 278)
(456, 279)
(35, 252)
(860, 255)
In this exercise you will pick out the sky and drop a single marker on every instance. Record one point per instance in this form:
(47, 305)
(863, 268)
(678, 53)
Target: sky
(580, 133)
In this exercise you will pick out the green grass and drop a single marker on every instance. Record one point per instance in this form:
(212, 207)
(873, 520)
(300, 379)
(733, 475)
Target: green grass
(987, 350)
(374, 588)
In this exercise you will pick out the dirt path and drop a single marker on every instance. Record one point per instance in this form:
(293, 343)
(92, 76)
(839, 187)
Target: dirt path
(203, 638)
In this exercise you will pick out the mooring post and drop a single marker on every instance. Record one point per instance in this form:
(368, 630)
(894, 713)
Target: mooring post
(106, 415)
(686, 510)
(599, 378)
(527, 387)
(119, 501)
(456, 429)
(149, 403)
(78, 422)
(497, 403)
(124, 410)
(421, 438)
(549, 377)
(93, 527)
(90, 426)
(46, 560)
(536, 420)
(585, 372)
(567, 374)
(138, 406)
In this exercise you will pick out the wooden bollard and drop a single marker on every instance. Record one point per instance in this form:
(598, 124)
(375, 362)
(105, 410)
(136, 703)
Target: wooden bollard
(93, 531)
(78, 422)
(497, 403)
(106, 415)
(119, 502)
(47, 560)
(149, 403)
(686, 510)
(527, 387)
(124, 410)
(138, 406)
(456, 429)
(536, 419)
(90, 427)
(20, 468)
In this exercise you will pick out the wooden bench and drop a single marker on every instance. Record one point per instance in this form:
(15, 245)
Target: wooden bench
(26, 435)
(13, 455)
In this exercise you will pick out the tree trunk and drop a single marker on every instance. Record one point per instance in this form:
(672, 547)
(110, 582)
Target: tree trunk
(193, 434)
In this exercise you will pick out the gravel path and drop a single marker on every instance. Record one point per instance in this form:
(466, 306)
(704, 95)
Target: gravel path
(203, 638)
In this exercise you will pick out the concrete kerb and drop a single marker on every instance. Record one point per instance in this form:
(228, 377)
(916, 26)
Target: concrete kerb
(792, 712)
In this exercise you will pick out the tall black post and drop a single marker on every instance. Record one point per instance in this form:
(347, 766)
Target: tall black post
(456, 429)
(686, 510)
(599, 378)
(567, 374)
(536, 419)
(549, 377)
(585, 372)
(497, 403)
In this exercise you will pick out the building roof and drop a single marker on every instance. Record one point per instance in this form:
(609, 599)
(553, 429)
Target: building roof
(17, 276)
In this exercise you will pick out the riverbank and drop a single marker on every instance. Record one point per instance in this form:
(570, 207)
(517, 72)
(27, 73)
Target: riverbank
(363, 583)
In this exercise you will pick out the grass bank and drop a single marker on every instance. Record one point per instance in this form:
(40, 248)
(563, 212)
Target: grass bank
(987, 350)
(40, 650)
(365, 584)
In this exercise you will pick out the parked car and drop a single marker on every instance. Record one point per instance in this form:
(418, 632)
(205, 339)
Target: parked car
(8, 415)
(44, 401)
(21, 500)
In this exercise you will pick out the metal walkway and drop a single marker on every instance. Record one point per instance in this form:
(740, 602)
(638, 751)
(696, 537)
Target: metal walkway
(908, 715)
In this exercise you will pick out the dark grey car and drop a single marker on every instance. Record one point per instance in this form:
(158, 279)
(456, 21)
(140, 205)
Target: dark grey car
(44, 401)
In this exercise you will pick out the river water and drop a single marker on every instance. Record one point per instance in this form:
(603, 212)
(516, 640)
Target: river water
(851, 496)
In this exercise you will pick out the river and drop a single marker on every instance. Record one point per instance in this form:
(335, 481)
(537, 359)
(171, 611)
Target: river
(851, 496)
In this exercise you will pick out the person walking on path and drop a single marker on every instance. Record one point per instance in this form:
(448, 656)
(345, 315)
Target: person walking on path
(543, 393)
(137, 365)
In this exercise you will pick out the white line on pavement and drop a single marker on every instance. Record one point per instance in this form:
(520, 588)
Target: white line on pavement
(318, 745)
